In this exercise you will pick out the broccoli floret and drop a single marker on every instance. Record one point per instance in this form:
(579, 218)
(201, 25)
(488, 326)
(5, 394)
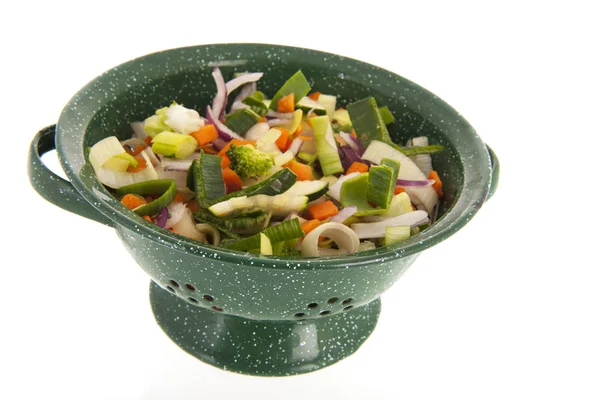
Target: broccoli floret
(288, 251)
(248, 161)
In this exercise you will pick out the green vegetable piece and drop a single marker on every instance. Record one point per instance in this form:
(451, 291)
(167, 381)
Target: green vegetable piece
(342, 117)
(129, 158)
(276, 184)
(308, 158)
(284, 231)
(166, 187)
(387, 116)
(297, 84)
(156, 124)
(413, 151)
(306, 105)
(380, 185)
(247, 161)
(354, 193)
(393, 164)
(206, 217)
(256, 102)
(266, 248)
(395, 234)
(368, 122)
(172, 144)
(327, 151)
(241, 120)
(207, 178)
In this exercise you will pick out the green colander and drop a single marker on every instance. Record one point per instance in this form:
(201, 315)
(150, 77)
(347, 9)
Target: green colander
(240, 312)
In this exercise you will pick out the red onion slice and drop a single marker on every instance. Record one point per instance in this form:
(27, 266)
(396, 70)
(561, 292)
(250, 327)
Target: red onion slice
(219, 143)
(242, 80)
(348, 139)
(406, 182)
(220, 100)
(343, 215)
(161, 218)
(224, 132)
(245, 91)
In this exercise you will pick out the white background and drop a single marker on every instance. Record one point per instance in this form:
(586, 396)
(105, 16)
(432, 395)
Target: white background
(508, 308)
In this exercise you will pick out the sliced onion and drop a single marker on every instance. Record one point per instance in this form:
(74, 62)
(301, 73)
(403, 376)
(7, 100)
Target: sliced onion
(343, 215)
(295, 146)
(344, 237)
(180, 177)
(245, 91)
(176, 211)
(183, 120)
(220, 100)
(237, 105)
(275, 114)
(138, 130)
(295, 215)
(224, 132)
(211, 232)
(242, 80)
(278, 122)
(257, 131)
(368, 230)
(187, 227)
(172, 164)
(161, 218)
(348, 139)
(407, 182)
(218, 143)
(152, 157)
(348, 156)
(334, 190)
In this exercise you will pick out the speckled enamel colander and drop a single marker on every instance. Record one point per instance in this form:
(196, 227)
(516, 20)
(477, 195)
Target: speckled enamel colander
(240, 312)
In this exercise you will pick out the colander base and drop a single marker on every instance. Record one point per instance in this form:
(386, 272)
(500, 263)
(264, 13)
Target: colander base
(258, 347)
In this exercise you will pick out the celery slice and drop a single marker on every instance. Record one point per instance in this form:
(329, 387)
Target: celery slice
(380, 185)
(327, 152)
(171, 144)
(284, 231)
(328, 103)
(354, 193)
(297, 84)
(207, 179)
(166, 187)
(242, 120)
(395, 234)
(308, 158)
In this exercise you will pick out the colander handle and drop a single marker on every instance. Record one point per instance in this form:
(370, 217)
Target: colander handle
(51, 186)
(495, 172)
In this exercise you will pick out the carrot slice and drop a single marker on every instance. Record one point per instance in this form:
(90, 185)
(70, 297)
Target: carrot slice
(225, 161)
(132, 201)
(147, 218)
(205, 135)
(302, 171)
(193, 205)
(262, 119)
(283, 139)
(237, 142)
(323, 210)
(232, 180)
(437, 185)
(178, 198)
(309, 225)
(286, 104)
(141, 165)
(357, 167)
(148, 139)
(398, 190)
(314, 96)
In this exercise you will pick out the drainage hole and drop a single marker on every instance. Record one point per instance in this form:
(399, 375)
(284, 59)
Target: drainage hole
(217, 308)
(347, 301)
(170, 289)
(193, 300)
(299, 315)
(332, 300)
(208, 297)
(190, 287)
(347, 308)
(174, 283)
(313, 305)
(322, 313)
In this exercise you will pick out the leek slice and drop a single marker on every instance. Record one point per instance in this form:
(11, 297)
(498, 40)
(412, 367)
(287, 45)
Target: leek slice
(297, 84)
(368, 230)
(266, 248)
(242, 120)
(165, 187)
(282, 232)
(395, 234)
(327, 152)
(104, 150)
(117, 179)
(256, 103)
(172, 144)
(345, 238)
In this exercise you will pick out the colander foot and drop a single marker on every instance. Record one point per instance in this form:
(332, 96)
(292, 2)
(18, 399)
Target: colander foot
(257, 347)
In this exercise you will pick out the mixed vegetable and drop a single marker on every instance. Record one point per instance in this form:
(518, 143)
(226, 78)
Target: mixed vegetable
(290, 176)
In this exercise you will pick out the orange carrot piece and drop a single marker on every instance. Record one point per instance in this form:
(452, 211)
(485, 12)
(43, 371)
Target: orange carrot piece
(309, 225)
(305, 138)
(353, 134)
(314, 96)
(302, 171)
(357, 167)
(437, 185)
(232, 180)
(139, 149)
(286, 104)
(298, 130)
(193, 205)
(237, 142)
(283, 138)
(262, 119)
(178, 198)
(141, 165)
(398, 190)
(205, 135)
(132, 201)
(147, 218)
(323, 210)
(209, 149)
(148, 140)
(225, 161)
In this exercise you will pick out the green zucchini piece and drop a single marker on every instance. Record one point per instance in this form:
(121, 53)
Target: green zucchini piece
(165, 187)
(297, 84)
(327, 151)
(207, 178)
(241, 120)
(284, 231)
(367, 121)
(342, 117)
(256, 102)
(386, 114)
(206, 217)
(380, 185)
(306, 104)
(311, 189)
(276, 184)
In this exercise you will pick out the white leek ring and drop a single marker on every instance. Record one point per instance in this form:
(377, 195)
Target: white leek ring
(344, 237)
